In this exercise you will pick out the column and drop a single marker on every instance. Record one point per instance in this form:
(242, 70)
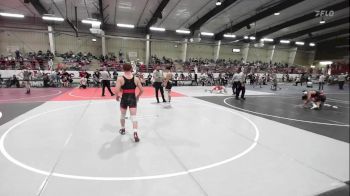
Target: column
(217, 47)
(184, 50)
(245, 50)
(51, 40)
(103, 40)
(147, 51)
(291, 57)
(270, 52)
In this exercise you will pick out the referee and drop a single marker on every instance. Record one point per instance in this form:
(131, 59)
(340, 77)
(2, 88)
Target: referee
(106, 77)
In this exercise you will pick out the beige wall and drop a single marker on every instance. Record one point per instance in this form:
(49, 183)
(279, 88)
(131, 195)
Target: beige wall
(256, 54)
(226, 52)
(65, 43)
(167, 49)
(126, 46)
(200, 51)
(10, 41)
(303, 58)
(281, 55)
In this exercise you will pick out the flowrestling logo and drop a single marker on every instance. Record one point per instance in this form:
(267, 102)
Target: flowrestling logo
(321, 13)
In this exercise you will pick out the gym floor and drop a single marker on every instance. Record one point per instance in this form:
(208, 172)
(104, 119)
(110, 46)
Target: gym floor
(66, 142)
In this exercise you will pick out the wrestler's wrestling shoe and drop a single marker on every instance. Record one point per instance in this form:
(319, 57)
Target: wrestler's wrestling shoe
(314, 107)
(122, 131)
(136, 137)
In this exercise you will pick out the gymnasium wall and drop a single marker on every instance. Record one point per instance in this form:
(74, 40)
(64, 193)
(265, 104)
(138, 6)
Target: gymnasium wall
(256, 54)
(167, 49)
(281, 55)
(304, 58)
(126, 46)
(10, 41)
(226, 52)
(65, 43)
(200, 51)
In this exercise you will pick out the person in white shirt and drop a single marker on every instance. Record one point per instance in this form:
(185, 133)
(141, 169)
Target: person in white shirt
(106, 77)
(341, 80)
(50, 64)
(321, 82)
(238, 83)
(83, 82)
(157, 84)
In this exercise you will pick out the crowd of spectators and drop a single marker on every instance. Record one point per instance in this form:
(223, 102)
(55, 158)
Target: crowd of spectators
(19, 60)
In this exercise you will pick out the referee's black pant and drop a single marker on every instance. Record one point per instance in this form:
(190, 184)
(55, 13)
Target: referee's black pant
(240, 89)
(106, 83)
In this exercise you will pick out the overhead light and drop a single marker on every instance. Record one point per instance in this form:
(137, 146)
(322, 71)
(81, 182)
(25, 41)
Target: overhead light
(207, 34)
(93, 39)
(91, 21)
(299, 43)
(312, 44)
(322, 21)
(229, 35)
(12, 15)
(252, 38)
(53, 18)
(284, 41)
(276, 14)
(246, 37)
(326, 62)
(236, 50)
(218, 3)
(267, 39)
(126, 25)
(156, 29)
(183, 31)
(312, 66)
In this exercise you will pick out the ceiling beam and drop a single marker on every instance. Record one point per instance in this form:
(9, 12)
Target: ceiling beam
(157, 14)
(327, 35)
(38, 7)
(310, 16)
(314, 29)
(270, 11)
(196, 25)
(100, 6)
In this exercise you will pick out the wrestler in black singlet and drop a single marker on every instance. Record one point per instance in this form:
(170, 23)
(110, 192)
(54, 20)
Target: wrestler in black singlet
(318, 96)
(128, 97)
(168, 85)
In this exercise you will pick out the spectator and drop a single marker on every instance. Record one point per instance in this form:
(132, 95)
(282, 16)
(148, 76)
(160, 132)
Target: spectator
(83, 82)
(341, 81)
(14, 81)
(321, 82)
(149, 78)
(96, 78)
(115, 75)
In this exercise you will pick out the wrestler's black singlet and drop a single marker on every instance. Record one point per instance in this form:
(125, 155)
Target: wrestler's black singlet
(129, 96)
